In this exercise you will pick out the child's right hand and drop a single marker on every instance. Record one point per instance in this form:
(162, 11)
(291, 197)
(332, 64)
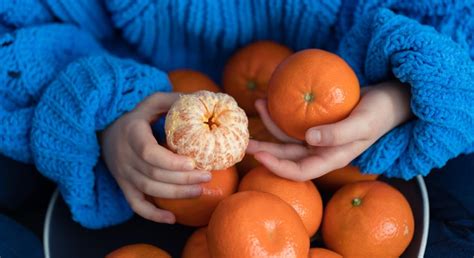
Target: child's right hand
(141, 166)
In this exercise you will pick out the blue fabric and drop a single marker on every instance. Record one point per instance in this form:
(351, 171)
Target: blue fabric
(451, 232)
(202, 34)
(452, 18)
(439, 73)
(31, 58)
(17, 14)
(17, 242)
(89, 15)
(60, 83)
(86, 97)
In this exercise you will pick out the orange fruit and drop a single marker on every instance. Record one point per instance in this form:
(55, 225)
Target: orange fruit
(368, 219)
(248, 71)
(197, 211)
(189, 81)
(302, 196)
(196, 246)
(311, 87)
(256, 224)
(323, 253)
(138, 251)
(339, 177)
(257, 131)
(208, 127)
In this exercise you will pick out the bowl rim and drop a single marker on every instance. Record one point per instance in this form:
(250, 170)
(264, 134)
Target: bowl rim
(419, 179)
(426, 215)
(47, 224)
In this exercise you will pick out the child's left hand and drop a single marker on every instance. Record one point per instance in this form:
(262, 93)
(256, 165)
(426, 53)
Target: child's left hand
(332, 146)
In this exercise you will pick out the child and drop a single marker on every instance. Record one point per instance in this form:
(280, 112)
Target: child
(73, 85)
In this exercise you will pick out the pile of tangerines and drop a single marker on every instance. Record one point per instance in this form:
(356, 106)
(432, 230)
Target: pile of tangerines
(247, 211)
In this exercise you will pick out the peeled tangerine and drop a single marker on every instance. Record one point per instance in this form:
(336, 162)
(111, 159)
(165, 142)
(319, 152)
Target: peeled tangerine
(208, 127)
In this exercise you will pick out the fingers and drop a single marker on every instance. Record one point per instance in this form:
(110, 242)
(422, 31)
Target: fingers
(261, 106)
(147, 148)
(281, 167)
(143, 207)
(173, 177)
(358, 126)
(303, 170)
(282, 151)
(161, 189)
(157, 103)
(293, 170)
(180, 178)
(320, 161)
(380, 109)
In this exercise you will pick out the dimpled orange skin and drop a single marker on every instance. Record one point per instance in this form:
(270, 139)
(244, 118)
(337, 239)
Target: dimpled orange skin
(257, 131)
(208, 127)
(368, 219)
(302, 196)
(248, 71)
(197, 211)
(189, 81)
(138, 251)
(255, 224)
(196, 246)
(323, 253)
(311, 87)
(340, 177)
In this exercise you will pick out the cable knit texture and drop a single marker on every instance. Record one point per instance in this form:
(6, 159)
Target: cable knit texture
(31, 58)
(202, 34)
(58, 85)
(440, 73)
(87, 96)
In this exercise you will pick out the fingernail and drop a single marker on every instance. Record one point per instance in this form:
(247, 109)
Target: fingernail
(205, 177)
(169, 220)
(195, 191)
(189, 165)
(314, 136)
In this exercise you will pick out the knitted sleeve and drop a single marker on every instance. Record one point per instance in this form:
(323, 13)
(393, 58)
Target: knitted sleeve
(32, 50)
(83, 99)
(30, 58)
(440, 74)
(57, 88)
(89, 15)
(451, 18)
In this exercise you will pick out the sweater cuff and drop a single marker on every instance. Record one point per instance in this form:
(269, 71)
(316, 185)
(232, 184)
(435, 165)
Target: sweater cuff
(86, 97)
(440, 73)
(30, 59)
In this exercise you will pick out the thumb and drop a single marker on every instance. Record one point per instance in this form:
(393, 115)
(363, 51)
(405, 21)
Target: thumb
(355, 127)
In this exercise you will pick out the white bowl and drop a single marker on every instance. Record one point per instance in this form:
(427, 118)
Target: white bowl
(65, 238)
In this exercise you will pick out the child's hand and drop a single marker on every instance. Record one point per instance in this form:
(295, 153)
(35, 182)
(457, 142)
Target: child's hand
(141, 166)
(329, 147)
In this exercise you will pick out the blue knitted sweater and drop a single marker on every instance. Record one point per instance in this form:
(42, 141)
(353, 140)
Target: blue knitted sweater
(69, 68)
